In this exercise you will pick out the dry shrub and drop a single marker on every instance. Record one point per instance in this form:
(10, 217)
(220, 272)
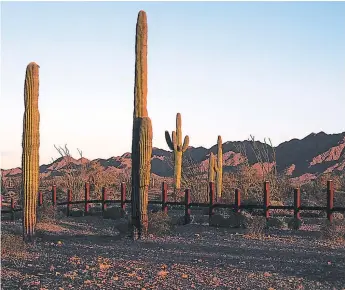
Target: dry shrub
(228, 197)
(159, 223)
(193, 176)
(76, 212)
(255, 225)
(235, 220)
(334, 231)
(48, 213)
(277, 223)
(294, 223)
(123, 225)
(178, 220)
(13, 247)
(114, 213)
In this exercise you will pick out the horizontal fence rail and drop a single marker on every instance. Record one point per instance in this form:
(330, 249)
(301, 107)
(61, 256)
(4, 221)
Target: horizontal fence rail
(187, 204)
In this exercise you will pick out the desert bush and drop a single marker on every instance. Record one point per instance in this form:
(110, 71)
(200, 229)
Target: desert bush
(199, 219)
(279, 211)
(228, 196)
(277, 223)
(249, 179)
(252, 201)
(159, 223)
(123, 225)
(178, 220)
(193, 176)
(234, 220)
(76, 212)
(333, 231)
(95, 210)
(294, 223)
(48, 213)
(114, 213)
(255, 225)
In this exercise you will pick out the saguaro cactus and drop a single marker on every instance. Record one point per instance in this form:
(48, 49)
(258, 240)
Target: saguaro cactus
(219, 183)
(175, 144)
(30, 156)
(212, 167)
(142, 134)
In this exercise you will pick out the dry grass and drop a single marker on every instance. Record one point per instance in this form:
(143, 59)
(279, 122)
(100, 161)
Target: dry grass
(46, 227)
(13, 247)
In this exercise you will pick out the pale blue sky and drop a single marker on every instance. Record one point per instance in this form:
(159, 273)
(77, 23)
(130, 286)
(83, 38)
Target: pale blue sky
(231, 68)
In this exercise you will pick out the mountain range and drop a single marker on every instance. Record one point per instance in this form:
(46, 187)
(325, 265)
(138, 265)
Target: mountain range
(301, 159)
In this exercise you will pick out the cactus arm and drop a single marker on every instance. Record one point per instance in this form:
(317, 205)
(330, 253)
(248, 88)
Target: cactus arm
(211, 167)
(168, 140)
(178, 131)
(185, 143)
(173, 134)
(140, 88)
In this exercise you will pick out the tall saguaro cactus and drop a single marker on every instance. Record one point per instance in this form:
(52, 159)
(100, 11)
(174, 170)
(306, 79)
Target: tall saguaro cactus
(175, 144)
(219, 183)
(142, 134)
(30, 156)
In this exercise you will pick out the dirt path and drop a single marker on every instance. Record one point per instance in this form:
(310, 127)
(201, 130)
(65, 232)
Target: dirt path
(89, 254)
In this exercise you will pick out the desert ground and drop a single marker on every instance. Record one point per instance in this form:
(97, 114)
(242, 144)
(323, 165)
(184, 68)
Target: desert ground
(91, 253)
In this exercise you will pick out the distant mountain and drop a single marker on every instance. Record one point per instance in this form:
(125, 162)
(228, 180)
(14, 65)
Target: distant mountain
(302, 159)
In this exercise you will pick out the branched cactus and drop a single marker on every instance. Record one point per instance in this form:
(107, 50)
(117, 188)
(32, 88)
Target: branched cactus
(30, 156)
(142, 135)
(175, 144)
(219, 183)
(212, 167)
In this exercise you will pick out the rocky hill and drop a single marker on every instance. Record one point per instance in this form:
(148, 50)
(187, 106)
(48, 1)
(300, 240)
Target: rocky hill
(302, 159)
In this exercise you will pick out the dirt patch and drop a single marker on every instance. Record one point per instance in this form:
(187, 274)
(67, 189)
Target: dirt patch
(96, 256)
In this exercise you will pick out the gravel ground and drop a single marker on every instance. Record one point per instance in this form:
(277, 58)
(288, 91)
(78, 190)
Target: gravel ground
(88, 253)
